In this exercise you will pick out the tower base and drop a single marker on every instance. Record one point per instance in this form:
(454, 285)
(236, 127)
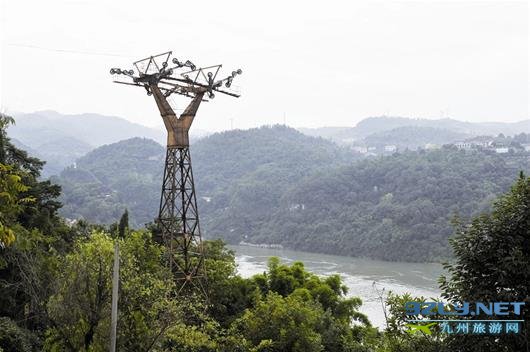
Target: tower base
(178, 221)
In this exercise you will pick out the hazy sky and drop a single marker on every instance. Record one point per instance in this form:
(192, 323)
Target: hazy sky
(316, 63)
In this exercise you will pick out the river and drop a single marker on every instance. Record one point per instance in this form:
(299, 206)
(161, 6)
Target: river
(360, 275)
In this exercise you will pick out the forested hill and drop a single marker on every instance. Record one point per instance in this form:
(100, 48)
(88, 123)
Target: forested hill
(112, 178)
(266, 158)
(128, 174)
(276, 185)
(394, 208)
(411, 133)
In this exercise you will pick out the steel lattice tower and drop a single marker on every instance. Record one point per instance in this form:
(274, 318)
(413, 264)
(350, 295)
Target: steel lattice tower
(178, 217)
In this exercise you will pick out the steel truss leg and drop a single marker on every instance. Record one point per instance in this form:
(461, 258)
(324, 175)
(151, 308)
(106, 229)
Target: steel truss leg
(179, 221)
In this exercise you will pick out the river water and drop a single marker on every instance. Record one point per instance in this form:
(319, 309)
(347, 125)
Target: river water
(364, 277)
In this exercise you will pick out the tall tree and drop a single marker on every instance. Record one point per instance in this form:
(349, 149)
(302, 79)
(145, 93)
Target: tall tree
(5, 121)
(492, 264)
(79, 308)
(28, 215)
(11, 200)
(123, 226)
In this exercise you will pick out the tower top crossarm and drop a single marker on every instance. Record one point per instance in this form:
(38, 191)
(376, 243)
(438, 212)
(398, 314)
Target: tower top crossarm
(173, 76)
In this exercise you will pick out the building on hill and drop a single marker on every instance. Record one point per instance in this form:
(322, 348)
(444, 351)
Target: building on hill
(502, 150)
(474, 143)
(431, 146)
(463, 145)
(390, 148)
(481, 141)
(360, 150)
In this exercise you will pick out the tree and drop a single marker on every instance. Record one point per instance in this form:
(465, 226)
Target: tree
(228, 294)
(492, 264)
(301, 311)
(5, 121)
(123, 226)
(13, 338)
(398, 337)
(329, 292)
(28, 216)
(11, 201)
(11, 188)
(79, 309)
(283, 324)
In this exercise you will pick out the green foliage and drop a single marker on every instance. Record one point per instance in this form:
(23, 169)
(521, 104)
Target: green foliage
(394, 208)
(80, 305)
(12, 188)
(30, 211)
(298, 323)
(126, 174)
(228, 293)
(13, 338)
(302, 312)
(287, 324)
(123, 225)
(5, 121)
(398, 337)
(329, 292)
(492, 264)
(11, 201)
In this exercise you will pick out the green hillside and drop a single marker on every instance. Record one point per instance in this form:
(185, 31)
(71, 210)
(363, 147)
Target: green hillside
(128, 174)
(276, 185)
(394, 208)
(374, 127)
(114, 177)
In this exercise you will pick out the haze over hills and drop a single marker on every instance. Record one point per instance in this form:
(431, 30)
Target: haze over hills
(377, 125)
(275, 185)
(412, 137)
(60, 139)
(92, 129)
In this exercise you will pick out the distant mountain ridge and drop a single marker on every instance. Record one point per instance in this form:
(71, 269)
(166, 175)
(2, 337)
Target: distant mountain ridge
(60, 139)
(380, 124)
(92, 129)
(413, 137)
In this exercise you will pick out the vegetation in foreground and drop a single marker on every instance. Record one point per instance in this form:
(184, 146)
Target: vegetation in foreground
(55, 285)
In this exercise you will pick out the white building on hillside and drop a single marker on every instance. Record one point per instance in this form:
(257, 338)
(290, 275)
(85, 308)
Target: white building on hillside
(362, 150)
(464, 145)
(431, 146)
